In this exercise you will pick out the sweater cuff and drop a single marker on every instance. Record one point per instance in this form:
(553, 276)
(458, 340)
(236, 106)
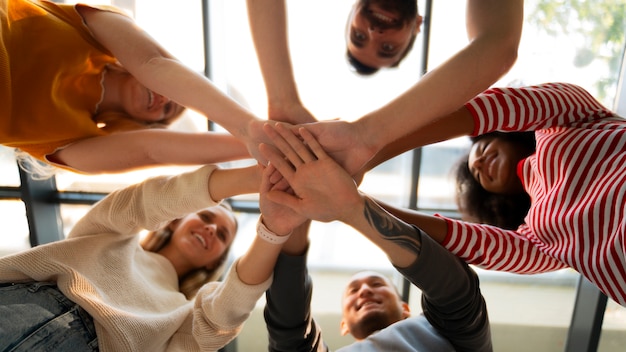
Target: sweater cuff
(229, 303)
(197, 186)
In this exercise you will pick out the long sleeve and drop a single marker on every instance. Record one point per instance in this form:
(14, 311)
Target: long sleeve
(451, 297)
(221, 309)
(534, 108)
(576, 181)
(132, 294)
(496, 249)
(287, 312)
(148, 205)
(455, 314)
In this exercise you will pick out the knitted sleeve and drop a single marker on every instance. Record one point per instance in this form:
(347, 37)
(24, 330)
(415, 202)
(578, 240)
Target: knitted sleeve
(148, 205)
(221, 308)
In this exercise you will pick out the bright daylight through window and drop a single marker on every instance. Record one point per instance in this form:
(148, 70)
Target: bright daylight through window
(569, 41)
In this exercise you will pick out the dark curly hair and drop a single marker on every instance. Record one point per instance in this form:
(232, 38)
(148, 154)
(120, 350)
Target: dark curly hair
(477, 204)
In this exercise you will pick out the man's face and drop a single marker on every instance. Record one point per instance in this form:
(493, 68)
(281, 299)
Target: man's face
(379, 31)
(370, 303)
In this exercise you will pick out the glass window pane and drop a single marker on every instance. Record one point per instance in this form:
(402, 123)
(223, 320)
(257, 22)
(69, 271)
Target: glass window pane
(15, 234)
(613, 336)
(9, 175)
(71, 213)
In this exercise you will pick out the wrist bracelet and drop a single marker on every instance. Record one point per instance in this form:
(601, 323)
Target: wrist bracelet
(268, 235)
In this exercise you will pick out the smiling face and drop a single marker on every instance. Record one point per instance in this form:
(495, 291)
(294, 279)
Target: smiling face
(202, 238)
(379, 32)
(493, 163)
(370, 303)
(145, 105)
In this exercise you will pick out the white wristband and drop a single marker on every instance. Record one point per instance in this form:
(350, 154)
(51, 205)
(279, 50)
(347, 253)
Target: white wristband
(268, 235)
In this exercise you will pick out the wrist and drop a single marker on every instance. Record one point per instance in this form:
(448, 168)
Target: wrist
(269, 236)
(370, 134)
(355, 211)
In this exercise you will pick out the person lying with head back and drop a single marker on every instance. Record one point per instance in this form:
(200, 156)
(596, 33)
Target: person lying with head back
(91, 92)
(100, 289)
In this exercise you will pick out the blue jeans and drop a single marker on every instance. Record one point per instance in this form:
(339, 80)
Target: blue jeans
(36, 316)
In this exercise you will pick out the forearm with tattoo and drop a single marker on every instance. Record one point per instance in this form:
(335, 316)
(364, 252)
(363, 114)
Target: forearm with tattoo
(391, 228)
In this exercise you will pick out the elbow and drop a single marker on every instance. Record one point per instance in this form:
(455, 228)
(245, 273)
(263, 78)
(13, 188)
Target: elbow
(508, 56)
(497, 55)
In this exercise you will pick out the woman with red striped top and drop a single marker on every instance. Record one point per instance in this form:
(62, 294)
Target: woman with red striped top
(576, 182)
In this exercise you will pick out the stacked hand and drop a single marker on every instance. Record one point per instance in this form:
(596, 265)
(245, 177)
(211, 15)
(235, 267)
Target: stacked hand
(277, 217)
(294, 113)
(320, 188)
(344, 142)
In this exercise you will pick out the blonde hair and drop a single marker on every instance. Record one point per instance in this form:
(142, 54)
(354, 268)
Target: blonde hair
(190, 283)
(38, 170)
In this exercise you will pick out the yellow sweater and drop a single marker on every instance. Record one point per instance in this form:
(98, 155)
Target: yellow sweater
(51, 72)
(133, 294)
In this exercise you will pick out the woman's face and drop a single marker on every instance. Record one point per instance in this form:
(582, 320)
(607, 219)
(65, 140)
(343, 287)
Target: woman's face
(493, 163)
(203, 237)
(145, 105)
(378, 33)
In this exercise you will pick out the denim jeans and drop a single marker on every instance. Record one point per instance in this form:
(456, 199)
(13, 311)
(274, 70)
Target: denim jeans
(36, 316)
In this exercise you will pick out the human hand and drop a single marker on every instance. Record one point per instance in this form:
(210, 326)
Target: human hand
(278, 218)
(344, 142)
(294, 113)
(322, 189)
(253, 136)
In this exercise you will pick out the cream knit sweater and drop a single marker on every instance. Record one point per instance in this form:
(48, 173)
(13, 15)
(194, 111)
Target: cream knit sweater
(133, 294)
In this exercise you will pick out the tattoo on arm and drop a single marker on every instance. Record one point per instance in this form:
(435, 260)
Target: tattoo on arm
(392, 229)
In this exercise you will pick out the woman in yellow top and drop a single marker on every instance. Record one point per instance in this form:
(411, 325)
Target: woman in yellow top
(80, 86)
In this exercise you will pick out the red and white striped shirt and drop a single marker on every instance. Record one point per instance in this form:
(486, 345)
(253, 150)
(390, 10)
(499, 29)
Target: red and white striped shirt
(576, 181)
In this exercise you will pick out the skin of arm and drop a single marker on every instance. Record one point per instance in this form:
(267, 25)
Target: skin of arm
(494, 30)
(457, 124)
(226, 183)
(125, 151)
(268, 26)
(257, 264)
(159, 71)
(324, 191)
(298, 243)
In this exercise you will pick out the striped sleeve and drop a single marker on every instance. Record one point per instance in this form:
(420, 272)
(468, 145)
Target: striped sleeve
(493, 248)
(532, 108)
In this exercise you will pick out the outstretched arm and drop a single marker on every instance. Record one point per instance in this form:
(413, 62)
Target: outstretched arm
(287, 313)
(222, 308)
(268, 25)
(124, 151)
(342, 140)
(161, 72)
(494, 30)
(257, 264)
